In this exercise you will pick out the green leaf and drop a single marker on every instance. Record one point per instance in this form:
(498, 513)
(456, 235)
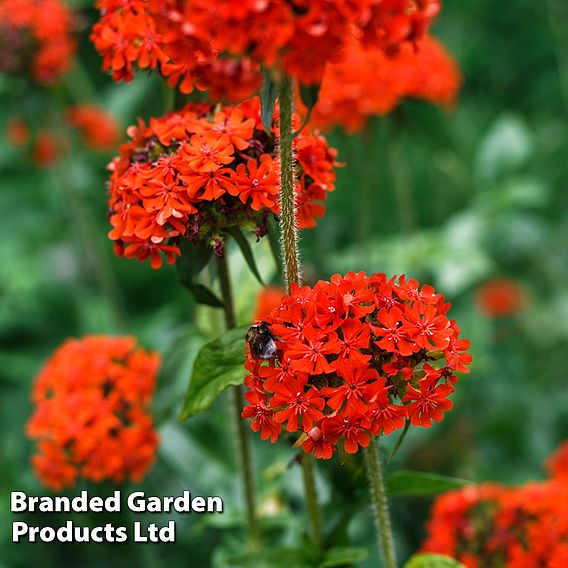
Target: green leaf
(408, 483)
(269, 558)
(246, 249)
(432, 561)
(310, 95)
(342, 555)
(218, 366)
(203, 295)
(274, 242)
(268, 95)
(193, 259)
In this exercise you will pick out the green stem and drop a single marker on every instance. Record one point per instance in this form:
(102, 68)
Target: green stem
(311, 500)
(380, 504)
(558, 31)
(401, 180)
(291, 264)
(81, 216)
(79, 86)
(244, 454)
(93, 256)
(288, 222)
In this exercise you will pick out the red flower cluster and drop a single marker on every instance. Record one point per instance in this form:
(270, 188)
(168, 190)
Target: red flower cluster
(91, 418)
(367, 82)
(197, 172)
(357, 356)
(99, 128)
(184, 40)
(36, 38)
(158, 34)
(500, 527)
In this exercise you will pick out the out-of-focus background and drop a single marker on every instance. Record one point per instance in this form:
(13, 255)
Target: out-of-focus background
(473, 201)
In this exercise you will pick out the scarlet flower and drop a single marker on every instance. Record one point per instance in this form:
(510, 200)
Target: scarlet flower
(196, 173)
(430, 401)
(36, 39)
(257, 183)
(350, 427)
(357, 356)
(263, 417)
(91, 418)
(295, 402)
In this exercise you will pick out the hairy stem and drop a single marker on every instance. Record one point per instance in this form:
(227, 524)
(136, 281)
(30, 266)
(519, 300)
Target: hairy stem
(288, 222)
(244, 454)
(380, 504)
(291, 265)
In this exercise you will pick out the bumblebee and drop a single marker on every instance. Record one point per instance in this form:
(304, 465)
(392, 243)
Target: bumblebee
(261, 341)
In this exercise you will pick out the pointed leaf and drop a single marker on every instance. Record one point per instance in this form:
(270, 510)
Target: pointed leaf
(270, 558)
(432, 561)
(412, 483)
(310, 95)
(218, 366)
(193, 259)
(268, 95)
(274, 243)
(203, 295)
(342, 556)
(246, 249)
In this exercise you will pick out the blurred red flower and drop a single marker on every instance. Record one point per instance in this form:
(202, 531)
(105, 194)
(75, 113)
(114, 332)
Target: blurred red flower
(197, 172)
(46, 149)
(91, 415)
(17, 132)
(99, 128)
(186, 41)
(36, 39)
(367, 82)
(356, 357)
(500, 297)
(501, 527)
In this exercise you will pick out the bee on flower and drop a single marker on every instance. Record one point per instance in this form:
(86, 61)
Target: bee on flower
(356, 356)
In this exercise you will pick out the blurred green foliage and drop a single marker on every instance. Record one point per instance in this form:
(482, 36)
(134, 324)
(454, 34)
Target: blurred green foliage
(453, 199)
